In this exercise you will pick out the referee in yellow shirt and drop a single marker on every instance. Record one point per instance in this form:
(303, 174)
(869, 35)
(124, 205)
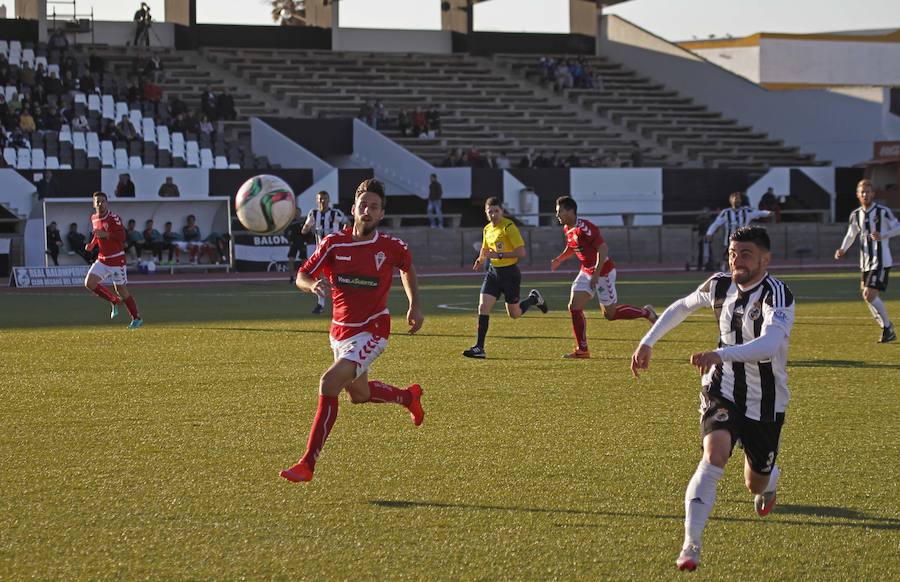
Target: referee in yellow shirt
(503, 246)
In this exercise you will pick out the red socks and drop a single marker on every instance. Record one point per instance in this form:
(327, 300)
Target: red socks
(629, 312)
(382, 392)
(104, 293)
(579, 328)
(131, 306)
(326, 414)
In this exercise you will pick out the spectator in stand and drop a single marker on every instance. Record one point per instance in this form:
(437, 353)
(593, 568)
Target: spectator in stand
(366, 113)
(433, 120)
(47, 187)
(473, 157)
(26, 122)
(379, 114)
(502, 162)
(169, 189)
(769, 201)
(153, 240)
(419, 122)
(69, 82)
(451, 160)
(563, 77)
(58, 41)
(190, 234)
(54, 242)
(4, 109)
(134, 93)
(107, 130)
(125, 187)
(208, 103)
(541, 161)
(77, 242)
(134, 241)
(15, 105)
(153, 68)
(172, 239)
(206, 127)
(80, 123)
(87, 84)
(38, 94)
(17, 139)
(225, 106)
(572, 161)
(51, 119)
(125, 129)
(403, 122)
(435, 196)
(53, 85)
(152, 92)
(637, 155)
(26, 75)
(5, 76)
(527, 161)
(177, 107)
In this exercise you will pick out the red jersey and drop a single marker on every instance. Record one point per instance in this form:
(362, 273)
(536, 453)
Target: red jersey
(585, 239)
(112, 248)
(360, 273)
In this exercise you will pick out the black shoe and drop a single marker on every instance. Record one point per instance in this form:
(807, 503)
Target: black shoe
(318, 309)
(475, 352)
(888, 335)
(539, 300)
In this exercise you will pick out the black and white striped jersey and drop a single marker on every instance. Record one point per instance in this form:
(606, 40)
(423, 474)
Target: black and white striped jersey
(733, 219)
(325, 222)
(754, 327)
(874, 255)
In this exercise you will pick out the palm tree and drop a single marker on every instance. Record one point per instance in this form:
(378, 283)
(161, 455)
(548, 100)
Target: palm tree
(289, 12)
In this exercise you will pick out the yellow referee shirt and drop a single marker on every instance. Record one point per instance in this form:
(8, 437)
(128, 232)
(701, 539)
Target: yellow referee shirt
(502, 238)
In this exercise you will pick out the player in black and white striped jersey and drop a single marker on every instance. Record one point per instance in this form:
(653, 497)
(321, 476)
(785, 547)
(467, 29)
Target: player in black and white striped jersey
(738, 216)
(873, 224)
(324, 220)
(745, 391)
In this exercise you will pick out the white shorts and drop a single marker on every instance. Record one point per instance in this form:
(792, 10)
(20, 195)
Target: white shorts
(362, 349)
(118, 275)
(606, 287)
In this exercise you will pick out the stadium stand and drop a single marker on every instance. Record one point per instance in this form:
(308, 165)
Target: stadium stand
(116, 84)
(480, 105)
(672, 120)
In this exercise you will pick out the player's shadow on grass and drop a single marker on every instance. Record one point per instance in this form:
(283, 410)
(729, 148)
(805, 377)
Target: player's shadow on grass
(840, 364)
(852, 518)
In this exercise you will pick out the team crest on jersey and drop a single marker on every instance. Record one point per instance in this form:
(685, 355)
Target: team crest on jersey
(499, 245)
(721, 415)
(754, 312)
(379, 260)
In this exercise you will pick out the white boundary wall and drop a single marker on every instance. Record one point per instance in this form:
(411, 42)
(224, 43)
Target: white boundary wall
(811, 61)
(836, 128)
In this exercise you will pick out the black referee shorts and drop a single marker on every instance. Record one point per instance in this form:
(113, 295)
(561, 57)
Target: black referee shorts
(503, 281)
(759, 439)
(876, 279)
(297, 249)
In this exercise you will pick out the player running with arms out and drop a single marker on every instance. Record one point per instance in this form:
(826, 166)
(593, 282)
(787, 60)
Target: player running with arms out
(597, 275)
(109, 235)
(357, 266)
(502, 246)
(323, 220)
(745, 392)
(733, 218)
(873, 224)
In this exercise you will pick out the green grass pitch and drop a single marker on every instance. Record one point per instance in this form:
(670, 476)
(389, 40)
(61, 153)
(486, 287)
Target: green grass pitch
(155, 454)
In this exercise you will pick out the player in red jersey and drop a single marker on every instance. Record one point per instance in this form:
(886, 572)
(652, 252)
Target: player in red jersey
(109, 235)
(597, 275)
(357, 265)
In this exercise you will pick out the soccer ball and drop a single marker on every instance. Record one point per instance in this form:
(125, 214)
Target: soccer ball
(265, 204)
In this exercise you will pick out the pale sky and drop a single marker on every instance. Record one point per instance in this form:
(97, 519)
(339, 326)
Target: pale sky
(671, 19)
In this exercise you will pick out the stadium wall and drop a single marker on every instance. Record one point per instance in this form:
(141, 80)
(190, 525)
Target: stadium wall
(488, 43)
(789, 61)
(392, 41)
(246, 36)
(836, 128)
